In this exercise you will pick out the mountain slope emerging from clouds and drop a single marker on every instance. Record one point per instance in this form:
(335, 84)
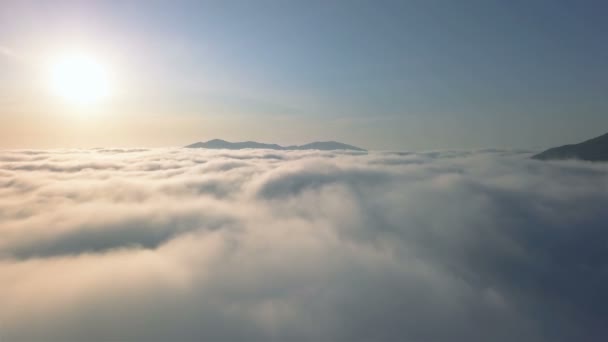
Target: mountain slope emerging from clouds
(595, 149)
(317, 145)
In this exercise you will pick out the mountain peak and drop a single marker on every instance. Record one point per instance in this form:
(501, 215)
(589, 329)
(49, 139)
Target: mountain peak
(317, 145)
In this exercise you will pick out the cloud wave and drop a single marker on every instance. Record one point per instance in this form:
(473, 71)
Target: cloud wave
(254, 245)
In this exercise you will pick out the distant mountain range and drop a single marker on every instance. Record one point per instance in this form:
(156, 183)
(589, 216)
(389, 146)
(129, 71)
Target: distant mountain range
(595, 149)
(317, 145)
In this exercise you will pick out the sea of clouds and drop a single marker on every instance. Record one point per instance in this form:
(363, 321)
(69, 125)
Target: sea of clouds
(256, 245)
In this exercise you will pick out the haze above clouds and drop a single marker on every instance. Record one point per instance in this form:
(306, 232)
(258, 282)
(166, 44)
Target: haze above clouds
(180, 244)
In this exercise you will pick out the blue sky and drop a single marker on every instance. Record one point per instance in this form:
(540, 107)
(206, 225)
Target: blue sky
(381, 74)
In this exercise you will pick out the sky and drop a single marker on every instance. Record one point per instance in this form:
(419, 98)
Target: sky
(397, 75)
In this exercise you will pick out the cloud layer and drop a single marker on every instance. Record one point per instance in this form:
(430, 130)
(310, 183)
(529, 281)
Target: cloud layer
(190, 245)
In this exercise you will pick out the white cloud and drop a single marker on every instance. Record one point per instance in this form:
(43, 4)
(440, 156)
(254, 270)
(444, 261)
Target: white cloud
(188, 245)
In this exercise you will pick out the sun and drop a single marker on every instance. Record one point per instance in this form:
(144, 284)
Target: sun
(79, 79)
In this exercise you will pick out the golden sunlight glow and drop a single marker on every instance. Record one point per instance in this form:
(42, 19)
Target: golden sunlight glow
(79, 79)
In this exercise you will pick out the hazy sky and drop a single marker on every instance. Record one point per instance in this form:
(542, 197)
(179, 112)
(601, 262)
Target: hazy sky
(378, 74)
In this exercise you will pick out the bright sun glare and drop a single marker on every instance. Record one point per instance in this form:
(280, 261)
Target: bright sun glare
(79, 79)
